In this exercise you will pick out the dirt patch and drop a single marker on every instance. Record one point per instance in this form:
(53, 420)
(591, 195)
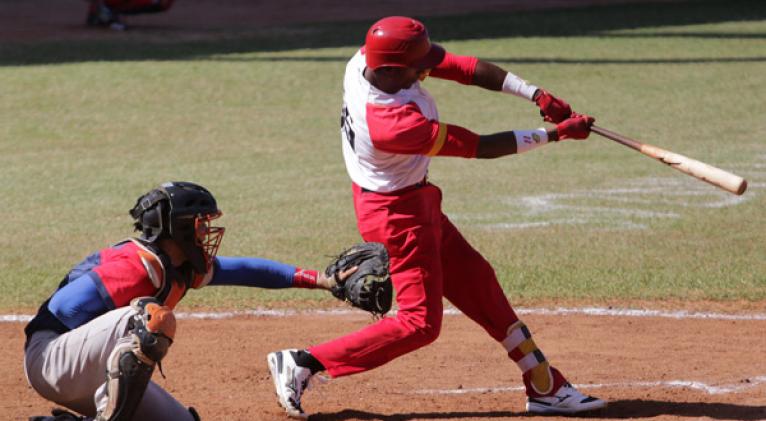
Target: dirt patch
(647, 367)
(64, 20)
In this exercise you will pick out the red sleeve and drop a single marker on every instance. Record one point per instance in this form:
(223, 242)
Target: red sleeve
(124, 279)
(405, 130)
(457, 68)
(459, 142)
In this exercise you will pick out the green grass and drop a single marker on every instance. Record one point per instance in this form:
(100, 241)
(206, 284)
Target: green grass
(87, 126)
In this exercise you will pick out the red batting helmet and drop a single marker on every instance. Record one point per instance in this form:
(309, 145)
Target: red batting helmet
(398, 41)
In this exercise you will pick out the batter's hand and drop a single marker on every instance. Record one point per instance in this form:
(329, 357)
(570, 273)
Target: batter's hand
(575, 127)
(553, 110)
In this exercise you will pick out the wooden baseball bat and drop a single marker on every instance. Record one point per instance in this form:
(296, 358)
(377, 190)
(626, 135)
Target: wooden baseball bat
(725, 180)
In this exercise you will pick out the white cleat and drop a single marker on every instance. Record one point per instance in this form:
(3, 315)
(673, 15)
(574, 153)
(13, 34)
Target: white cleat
(290, 380)
(566, 400)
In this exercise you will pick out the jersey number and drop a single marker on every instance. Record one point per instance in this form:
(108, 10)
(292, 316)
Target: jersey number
(345, 126)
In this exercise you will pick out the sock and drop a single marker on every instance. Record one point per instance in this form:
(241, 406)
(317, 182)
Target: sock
(540, 378)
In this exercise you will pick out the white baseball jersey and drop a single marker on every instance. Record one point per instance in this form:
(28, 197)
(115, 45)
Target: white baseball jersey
(388, 138)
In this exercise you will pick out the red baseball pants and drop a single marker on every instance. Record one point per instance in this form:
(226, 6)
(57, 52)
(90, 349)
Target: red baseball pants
(430, 259)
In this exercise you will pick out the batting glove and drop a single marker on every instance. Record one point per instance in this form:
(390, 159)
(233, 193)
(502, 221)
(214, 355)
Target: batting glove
(575, 127)
(552, 109)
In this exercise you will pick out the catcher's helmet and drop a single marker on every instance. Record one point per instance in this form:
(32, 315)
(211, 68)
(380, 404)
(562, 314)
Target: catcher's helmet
(398, 41)
(181, 211)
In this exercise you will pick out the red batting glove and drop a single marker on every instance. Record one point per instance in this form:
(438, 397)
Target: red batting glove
(553, 110)
(575, 127)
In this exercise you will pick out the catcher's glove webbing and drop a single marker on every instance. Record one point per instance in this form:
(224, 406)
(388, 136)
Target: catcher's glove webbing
(369, 288)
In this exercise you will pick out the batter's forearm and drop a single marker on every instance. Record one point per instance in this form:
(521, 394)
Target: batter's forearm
(513, 142)
(496, 145)
(494, 78)
(489, 76)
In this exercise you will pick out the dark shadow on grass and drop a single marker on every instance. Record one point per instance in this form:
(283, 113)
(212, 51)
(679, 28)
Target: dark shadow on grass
(689, 34)
(172, 44)
(524, 60)
(631, 62)
(622, 409)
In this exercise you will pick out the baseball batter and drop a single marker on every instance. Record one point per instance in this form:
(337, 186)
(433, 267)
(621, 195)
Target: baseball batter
(94, 344)
(390, 129)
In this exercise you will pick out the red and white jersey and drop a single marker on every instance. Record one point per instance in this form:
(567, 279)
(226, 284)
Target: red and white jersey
(388, 138)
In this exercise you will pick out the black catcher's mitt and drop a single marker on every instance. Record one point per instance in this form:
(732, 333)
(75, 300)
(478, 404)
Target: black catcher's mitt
(369, 288)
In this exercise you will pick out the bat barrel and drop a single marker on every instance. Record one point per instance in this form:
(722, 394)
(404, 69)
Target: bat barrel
(705, 172)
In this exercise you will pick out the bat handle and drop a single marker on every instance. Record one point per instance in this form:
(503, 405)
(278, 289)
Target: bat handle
(617, 137)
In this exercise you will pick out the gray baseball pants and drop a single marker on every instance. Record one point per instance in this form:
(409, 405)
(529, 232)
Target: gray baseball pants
(70, 369)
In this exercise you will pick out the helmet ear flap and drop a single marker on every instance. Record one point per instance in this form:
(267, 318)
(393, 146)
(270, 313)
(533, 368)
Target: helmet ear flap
(151, 213)
(152, 222)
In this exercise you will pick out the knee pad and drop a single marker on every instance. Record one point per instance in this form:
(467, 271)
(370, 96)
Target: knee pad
(131, 363)
(152, 329)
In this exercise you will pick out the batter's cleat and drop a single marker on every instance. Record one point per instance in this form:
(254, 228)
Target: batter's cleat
(290, 380)
(566, 400)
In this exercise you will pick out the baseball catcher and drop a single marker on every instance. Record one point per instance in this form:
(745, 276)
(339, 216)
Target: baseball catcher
(95, 343)
(369, 285)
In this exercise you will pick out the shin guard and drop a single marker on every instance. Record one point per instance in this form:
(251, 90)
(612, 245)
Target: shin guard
(131, 363)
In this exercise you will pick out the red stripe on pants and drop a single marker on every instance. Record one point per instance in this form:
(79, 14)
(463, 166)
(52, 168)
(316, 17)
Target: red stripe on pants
(430, 259)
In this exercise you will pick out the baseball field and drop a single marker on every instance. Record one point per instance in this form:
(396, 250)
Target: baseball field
(645, 286)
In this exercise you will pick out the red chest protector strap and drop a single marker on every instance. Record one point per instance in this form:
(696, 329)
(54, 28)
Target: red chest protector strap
(169, 282)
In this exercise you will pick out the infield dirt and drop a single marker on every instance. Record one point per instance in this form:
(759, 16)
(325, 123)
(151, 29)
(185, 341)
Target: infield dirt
(645, 367)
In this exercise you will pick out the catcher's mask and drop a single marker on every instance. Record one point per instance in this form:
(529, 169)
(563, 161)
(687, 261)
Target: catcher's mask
(183, 212)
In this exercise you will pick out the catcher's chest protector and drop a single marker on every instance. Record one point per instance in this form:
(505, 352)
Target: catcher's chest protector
(171, 284)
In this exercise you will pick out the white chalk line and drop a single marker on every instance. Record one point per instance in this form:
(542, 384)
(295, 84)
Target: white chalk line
(588, 311)
(739, 387)
(620, 207)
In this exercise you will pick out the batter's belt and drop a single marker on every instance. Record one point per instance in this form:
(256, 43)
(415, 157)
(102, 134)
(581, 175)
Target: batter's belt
(419, 184)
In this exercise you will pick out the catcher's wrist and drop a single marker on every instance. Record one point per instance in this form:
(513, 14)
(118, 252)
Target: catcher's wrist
(305, 278)
(325, 282)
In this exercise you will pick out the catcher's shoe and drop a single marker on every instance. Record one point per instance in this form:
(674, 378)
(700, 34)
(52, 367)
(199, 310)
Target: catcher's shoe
(290, 380)
(566, 400)
(58, 414)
